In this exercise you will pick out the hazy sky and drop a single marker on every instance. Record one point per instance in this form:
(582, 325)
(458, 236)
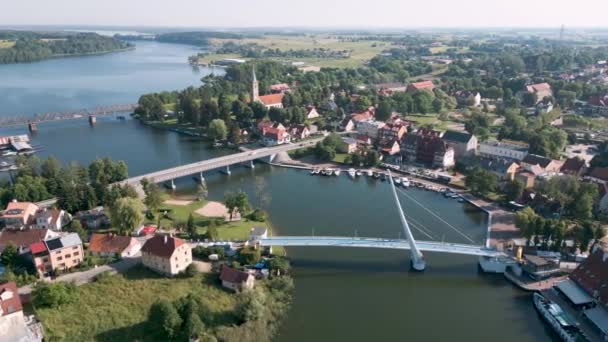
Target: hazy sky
(316, 13)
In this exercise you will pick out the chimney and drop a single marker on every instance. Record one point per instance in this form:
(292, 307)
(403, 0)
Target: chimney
(165, 239)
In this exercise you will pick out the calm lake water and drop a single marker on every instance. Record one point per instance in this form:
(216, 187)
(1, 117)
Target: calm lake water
(341, 294)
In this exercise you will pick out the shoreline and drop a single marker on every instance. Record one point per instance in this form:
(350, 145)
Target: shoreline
(84, 54)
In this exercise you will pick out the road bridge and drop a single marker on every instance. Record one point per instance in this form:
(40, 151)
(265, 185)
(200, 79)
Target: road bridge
(362, 242)
(218, 163)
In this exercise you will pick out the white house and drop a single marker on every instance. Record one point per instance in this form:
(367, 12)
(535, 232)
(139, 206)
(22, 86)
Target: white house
(236, 280)
(504, 149)
(311, 112)
(53, 219)
(166, 255)
(370, 128)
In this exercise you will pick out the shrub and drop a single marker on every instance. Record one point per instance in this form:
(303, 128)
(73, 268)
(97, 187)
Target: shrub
(53, 295)
(258, 215)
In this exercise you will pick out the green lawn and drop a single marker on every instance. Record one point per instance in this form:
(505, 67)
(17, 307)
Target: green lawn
(116, 308)
(234, 231)
(4, 44)
(339, 158)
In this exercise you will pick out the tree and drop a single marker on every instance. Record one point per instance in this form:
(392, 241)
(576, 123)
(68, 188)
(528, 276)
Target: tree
(52, 295)
(190, 227)
(164, 318)
(249, 255)
(201, 190)
(423, 102)
(362, 103)
(514, 190)
(237, 200)
(193, 325)
(9, 255)
(524, 220)
(126, 214)
(384, 110)
(251, 305)
(437, 105)
(76, 227)
(217, 130)
(212, 233)
(481, 181)
(154, 197)
(278, 264)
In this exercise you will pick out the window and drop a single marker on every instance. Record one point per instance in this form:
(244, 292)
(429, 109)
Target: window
(45, 259)
(68, 256)
(76, 253)
(59, 258)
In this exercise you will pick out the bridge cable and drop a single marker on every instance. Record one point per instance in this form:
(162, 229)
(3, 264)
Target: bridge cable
(438, 217)
(426, 229)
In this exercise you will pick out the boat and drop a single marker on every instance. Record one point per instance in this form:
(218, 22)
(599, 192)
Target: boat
(384, 177)
(376, 175)
(557, 318)
(405, 182)
(397, 181)
(352, 173)
(370, 173)
(337, 172)
(313, 172)
(359, 173)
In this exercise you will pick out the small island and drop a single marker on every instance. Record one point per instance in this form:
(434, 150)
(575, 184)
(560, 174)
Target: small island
(27, 46)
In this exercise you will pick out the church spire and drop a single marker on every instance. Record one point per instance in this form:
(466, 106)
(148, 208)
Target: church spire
(255, 79)
(255, 91)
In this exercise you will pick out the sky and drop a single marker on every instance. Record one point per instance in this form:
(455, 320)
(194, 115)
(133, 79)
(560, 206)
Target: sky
(307, 13)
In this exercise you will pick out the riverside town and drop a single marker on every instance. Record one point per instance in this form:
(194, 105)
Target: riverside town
(358, 175)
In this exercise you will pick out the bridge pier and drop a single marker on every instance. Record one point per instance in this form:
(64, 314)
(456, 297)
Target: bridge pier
(227, 171)
(250, 165)
(172, 185)
(31, 126)
(201, 178)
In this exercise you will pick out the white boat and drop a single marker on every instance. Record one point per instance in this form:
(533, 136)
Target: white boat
(405, 182)
(352, 173)
(10, 153)
(337, 172)
(358, 173)
(553, 314)
(370, 173)
(397, 181)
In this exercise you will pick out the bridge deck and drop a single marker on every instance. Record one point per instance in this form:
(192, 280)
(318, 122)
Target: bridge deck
(336, 241)
(215, 163)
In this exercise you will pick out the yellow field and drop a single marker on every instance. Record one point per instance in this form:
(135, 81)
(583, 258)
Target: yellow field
(4, 44)
(361, 51)
(442, 49)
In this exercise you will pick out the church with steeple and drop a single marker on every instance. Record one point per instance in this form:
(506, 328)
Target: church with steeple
(270, 100)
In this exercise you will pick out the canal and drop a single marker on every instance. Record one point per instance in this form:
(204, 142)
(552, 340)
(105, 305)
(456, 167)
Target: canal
(341, 294)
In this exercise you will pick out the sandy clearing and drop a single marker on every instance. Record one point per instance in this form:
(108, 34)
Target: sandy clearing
(213, 209)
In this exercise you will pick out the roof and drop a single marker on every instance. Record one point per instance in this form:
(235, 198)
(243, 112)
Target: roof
(538, 87)
(109, 243)
(574, 292)
(534, 159)
(600, 173)
(65, 241)
(21, 238)
(509, 144)
(592, 275)
(536, 260)
(162, 245)
(12, 304)
(38, 247)
(16, 209)
(573, 165)
(279, 87)
(599, 316)
(462, 137)
(233, 275)
(271, 99)
(349, 141)
(422, 85)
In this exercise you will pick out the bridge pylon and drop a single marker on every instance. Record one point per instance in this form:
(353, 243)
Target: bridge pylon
(416, 257)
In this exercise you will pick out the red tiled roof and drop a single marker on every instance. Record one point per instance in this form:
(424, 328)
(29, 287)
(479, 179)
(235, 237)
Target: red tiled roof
(573, 165)
(12, 304)
(232, 275)
(279, 87)
(157, 245)
(271, 99)
(422, 85)
(108, 243)
(38, 247)
(539, 87)
(592, 274)
(21, 238)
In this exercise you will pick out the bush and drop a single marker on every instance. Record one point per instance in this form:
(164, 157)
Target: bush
(53, 295)
(258, 215)
(190, 271)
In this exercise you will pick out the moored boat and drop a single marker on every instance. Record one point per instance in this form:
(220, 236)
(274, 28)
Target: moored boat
(352, 173)
(553, 314)
(359, 173)
(405, 182)
(337, 172)
(397, 181)
(370, 173)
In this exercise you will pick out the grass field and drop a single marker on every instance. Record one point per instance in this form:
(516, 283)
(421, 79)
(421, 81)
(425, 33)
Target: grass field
(4, 44)
(116, 308)
(361, 51)
(442, 49)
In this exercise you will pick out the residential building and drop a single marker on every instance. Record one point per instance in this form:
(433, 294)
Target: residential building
(311, 112)
(347, 124)
(547, 165)
(574, 167)
(275, 136)
(65, 252)
(13, 327)
(299, 132)
(113, 245)
(463, 143)
(22, 239)
(391, 148)
(427, 147)
(166, 254)
(263, 125)
(527, 178)
(503, 149)
(236, 280)
(53, 219)
(370, 128)
(387, 89)
(418, 86)
(41, 259)
(93, 219)
(18, 215)
(348, 145)
(364, 115)
(364, 140)
(392, 131)
(540, 91)
(598, 174)
(279, 88)
(505, 169)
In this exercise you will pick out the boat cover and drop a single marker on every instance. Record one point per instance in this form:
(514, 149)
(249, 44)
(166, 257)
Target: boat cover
(574, 292)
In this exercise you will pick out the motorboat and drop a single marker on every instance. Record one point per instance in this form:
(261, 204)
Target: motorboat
(352, 173)
(337, 172)
(359, 173)
(397, 181)
(370, 173)
(405, 182)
